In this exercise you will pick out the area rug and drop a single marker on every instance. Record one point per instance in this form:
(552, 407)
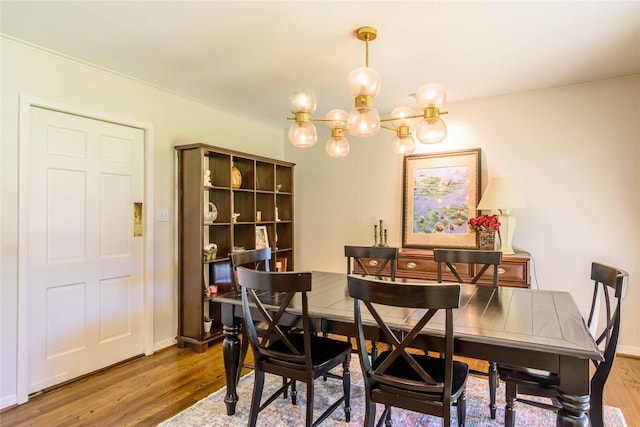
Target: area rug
(211, 411)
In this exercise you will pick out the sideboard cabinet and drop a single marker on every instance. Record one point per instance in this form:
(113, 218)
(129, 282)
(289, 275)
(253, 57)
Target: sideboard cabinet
(225, 197)
(419, 264)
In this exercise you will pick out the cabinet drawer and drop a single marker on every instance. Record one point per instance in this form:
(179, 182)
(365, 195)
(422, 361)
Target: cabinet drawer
(430, 267)
(372, 265)
(511, 272)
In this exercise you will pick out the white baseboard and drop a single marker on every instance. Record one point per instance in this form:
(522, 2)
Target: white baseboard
(627, 350)
(159, 345)
(7, 401)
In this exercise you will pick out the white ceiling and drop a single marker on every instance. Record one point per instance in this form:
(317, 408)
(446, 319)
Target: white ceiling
(249, 56)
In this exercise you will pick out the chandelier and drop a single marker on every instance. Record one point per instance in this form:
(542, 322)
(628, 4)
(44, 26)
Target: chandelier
(364, 120)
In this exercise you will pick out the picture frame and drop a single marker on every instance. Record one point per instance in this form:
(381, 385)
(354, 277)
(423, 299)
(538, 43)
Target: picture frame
(262, 237)
(440, 193)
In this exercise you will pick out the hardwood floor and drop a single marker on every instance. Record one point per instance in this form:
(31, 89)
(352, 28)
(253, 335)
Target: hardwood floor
(148, 390)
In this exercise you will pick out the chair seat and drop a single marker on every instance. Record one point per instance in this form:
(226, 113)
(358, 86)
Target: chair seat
(539, 378)
(434, 366)
(323, 349)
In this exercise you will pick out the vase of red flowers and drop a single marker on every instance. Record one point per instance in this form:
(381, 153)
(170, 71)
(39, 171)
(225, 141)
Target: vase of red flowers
(485, 226)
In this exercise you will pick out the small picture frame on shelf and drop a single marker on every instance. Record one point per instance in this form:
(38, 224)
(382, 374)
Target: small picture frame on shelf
(262, 237)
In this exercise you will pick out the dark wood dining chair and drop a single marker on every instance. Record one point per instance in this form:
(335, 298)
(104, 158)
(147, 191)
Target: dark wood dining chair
(610, 285)
(296, 353)
(403, 379)
(388, 256)
(257, 258)
(355, 255)
(447, 258)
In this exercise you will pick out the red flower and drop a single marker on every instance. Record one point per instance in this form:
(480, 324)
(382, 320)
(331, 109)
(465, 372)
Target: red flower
(484, 223)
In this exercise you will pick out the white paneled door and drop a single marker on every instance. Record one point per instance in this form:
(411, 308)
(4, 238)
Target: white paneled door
(85, 260)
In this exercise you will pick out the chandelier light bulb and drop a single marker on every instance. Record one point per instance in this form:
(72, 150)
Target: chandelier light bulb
(364, 81)
(337, 119)
(403, 145)
(337, 146)
(302, 101)
(401, 114)
(431, 95)
(431, 131)
(363, 122)
(303, 134)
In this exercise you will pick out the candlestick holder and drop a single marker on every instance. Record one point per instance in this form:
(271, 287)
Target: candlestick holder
(380, 236)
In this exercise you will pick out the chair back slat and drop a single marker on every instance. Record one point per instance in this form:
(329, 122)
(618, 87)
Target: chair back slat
(610, 284)
(355, 254)
(610, 276)
(467, 256)
(258, 259)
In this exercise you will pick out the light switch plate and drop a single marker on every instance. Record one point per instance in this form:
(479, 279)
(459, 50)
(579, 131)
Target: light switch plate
(163, 215)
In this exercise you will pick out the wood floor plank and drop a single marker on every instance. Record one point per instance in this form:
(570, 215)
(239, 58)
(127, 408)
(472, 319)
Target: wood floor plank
(148, 390)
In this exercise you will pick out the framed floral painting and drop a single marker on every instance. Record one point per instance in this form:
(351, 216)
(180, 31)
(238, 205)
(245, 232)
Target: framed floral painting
(441, 193)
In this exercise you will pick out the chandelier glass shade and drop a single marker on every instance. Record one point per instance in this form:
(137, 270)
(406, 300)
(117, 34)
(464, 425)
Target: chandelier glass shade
(303, 133)
(403, 144)
(431, 131)
(364, 120)
(302, 101)
(364, 81)
(337, 145)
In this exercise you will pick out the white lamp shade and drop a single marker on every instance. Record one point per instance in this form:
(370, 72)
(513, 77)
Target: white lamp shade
(363, 122)
(303, 134)
(502, 193)
(302, 101)
(364, 81)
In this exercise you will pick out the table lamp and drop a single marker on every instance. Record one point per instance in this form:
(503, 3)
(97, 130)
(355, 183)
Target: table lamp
(501, 194)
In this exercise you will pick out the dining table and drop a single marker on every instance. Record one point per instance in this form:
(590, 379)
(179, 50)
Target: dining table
(539, 329)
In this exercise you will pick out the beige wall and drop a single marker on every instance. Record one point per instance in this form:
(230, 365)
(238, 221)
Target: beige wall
(175, 119)
(574, 151)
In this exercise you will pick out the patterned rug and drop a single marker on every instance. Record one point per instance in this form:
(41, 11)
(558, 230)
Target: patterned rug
(211, 411)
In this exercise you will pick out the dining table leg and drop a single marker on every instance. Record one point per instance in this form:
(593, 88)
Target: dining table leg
(231, 354)
(573, 393)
